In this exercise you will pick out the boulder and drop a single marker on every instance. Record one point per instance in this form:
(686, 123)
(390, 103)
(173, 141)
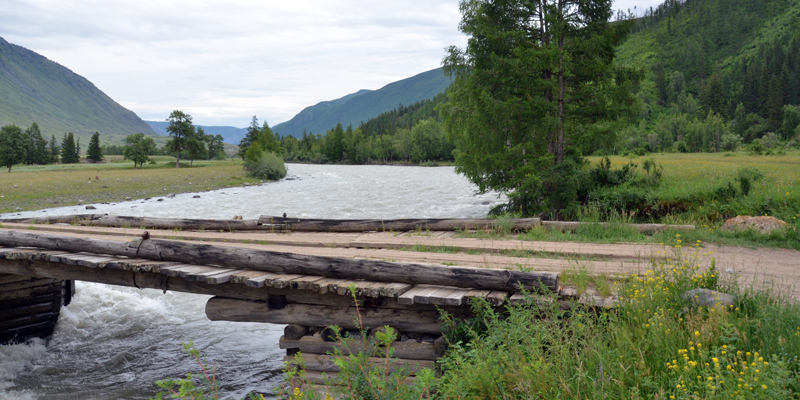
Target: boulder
(763, 224)
(708, 298)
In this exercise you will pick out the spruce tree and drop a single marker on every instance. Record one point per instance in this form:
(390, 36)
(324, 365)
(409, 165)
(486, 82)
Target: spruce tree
(53, 151)
(94, 153)
(68, 154)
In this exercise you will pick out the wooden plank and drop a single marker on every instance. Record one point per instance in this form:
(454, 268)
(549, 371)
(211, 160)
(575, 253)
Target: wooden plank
(497, 298)
(225, 309)
(394, 289)
(403, 350)
(9, 278)
(454, 298)
(245, 274)
(139, 264)
(29, 310)
(304, 282)
(220, 277)
(424, 296)
(409, 296)
(324, 363)
(283, 281)
(175, 270)
(289, 263)
(30, 292)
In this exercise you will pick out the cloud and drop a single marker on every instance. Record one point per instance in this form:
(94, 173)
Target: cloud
(224, 61)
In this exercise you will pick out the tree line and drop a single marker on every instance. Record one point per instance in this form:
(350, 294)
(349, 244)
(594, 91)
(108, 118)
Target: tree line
(30, 148)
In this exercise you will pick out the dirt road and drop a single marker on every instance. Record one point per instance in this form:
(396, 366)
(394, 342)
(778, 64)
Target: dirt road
(763, 267)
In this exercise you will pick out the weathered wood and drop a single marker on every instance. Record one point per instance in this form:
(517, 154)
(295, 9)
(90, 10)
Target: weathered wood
(288, 263)
(324, 363)
(144, 222)
(367, 225)
(647, 229)
(30, 292)
(294, 331)
(27, 311)
(226, 309)
(314, 344)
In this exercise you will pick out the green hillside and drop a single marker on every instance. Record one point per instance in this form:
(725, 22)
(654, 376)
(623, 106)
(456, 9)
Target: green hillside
(737, 59)
(35, 89)
(359, 107)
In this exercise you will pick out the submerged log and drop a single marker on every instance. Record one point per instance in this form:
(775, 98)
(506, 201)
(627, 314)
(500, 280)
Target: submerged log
(289, 263)
(368, 225)
(225, 309)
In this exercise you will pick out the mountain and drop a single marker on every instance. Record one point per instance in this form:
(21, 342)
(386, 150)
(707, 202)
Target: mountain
(230, 134)
(365, 104)
(35, 89)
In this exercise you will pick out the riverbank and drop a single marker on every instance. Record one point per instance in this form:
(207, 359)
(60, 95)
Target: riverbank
(29, 188)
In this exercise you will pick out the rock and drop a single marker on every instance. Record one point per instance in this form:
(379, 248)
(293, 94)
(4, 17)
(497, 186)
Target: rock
(160, 200)
(729, 270)
(708, 298)
(91, 207)
(18, 209)
(15, 186)
(127, 198)
(171, 195)
(197, 196)
(485, 203)
(763, 224)
(105, 187)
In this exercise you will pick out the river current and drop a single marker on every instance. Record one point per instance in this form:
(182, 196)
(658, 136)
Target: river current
(114, 342)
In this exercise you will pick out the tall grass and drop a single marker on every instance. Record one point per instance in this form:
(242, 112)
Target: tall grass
(656, 345)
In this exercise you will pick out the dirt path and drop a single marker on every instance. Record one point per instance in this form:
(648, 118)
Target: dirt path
(762, 267)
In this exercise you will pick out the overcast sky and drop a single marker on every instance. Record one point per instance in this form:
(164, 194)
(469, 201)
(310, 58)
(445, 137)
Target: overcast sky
(225, 61)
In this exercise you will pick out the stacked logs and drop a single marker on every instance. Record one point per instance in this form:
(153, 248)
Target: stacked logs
(411, 352)
(29, 307)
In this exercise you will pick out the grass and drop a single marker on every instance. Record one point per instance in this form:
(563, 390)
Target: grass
(37, 187)
(524, 253)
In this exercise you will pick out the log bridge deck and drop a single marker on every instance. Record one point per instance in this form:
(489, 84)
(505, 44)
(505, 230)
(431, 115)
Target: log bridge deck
(308, 293)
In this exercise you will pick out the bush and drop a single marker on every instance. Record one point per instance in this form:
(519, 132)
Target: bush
(266, 166)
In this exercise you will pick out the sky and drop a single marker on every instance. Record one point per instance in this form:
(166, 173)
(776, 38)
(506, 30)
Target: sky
(225, 61)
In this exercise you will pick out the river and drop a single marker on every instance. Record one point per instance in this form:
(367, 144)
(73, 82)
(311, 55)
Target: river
(115, 342)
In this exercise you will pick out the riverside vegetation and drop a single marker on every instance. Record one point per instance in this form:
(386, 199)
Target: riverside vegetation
(657, 344)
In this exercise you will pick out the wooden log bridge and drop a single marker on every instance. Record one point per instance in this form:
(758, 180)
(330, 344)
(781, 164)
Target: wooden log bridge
(308, 293)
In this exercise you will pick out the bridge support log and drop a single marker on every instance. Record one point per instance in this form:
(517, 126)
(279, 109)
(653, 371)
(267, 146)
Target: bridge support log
(289, 263)
(226, 309)
(29, 306)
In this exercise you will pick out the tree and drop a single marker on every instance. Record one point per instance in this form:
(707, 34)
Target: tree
(13, 145)
(53, 150)
(216, 149)
(68, 154)
(535, 77)
(196, 145)
(251, 136)
(36, 149)
(78, 150)
(138, 148)
(180, 130)
(95, 153)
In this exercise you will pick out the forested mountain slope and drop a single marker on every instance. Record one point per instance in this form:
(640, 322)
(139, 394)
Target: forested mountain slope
(359, 107)
(739, 59)
(35, 89)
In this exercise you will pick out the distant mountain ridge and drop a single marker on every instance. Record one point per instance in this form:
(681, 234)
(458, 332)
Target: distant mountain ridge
(365, 104)
(35, 89)
(230, 134)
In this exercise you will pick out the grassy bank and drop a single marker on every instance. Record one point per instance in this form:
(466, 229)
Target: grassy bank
(37, 187)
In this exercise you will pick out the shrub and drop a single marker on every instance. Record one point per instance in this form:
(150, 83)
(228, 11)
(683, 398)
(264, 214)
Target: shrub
(266, 166)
